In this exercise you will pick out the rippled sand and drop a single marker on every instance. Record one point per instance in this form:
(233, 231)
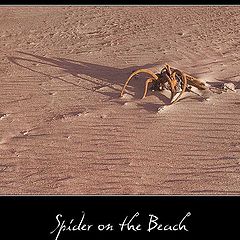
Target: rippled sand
(65, 130)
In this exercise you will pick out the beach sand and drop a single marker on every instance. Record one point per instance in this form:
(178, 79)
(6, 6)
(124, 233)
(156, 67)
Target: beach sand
(64, 128)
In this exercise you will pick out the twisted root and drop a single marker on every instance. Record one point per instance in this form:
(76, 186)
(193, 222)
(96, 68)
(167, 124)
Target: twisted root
(169, 75)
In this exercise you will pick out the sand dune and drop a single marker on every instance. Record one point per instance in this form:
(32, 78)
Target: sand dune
(65, 130)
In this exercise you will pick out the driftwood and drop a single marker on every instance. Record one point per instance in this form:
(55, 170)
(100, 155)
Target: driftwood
(168, 78)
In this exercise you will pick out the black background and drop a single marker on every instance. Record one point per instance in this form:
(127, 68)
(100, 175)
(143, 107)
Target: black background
(34, 217)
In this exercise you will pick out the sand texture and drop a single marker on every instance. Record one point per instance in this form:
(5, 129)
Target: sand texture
(64, 128)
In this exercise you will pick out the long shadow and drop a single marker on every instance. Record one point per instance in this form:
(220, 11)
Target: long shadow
(98, 75)
(104, 75)
(108, 76)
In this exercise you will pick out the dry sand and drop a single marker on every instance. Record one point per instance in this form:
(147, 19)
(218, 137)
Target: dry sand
(65, 130)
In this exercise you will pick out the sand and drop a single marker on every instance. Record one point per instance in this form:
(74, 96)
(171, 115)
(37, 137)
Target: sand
(64, 128)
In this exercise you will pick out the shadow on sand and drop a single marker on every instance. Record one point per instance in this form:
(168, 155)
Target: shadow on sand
(98, 75)
(104, 75)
